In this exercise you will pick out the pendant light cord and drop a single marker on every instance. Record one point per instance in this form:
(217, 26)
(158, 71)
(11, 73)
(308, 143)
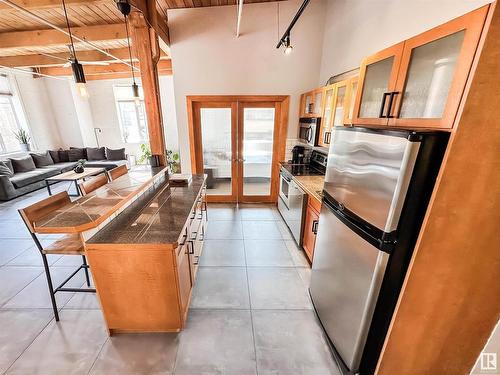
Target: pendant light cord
(69, 30)
(129, 49)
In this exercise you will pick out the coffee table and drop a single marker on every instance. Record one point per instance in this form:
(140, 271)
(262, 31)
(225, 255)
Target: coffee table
(73, 176)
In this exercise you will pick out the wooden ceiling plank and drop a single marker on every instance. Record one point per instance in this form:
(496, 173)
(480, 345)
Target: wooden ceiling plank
(54, 37)
(46, 4)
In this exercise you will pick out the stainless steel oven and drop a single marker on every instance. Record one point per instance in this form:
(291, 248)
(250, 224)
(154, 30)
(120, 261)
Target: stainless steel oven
(309, 130)
(291, 204)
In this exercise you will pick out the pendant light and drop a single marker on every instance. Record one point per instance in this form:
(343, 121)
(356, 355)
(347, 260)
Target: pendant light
(124, 8)
(76, 67)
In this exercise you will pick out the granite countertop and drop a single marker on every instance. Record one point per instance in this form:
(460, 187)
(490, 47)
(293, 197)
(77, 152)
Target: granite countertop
(312, 185)
(156, 217)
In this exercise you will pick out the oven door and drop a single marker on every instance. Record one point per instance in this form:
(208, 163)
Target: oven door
(284, 187)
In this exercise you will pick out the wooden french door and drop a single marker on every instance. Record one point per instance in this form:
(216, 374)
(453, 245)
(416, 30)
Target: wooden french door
(238, 142)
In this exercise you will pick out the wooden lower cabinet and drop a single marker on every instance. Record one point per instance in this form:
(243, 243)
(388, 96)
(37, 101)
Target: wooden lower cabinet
(310, 228)
(184, 277)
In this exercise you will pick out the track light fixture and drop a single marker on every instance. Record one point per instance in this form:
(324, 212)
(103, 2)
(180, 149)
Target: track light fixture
(288, 45)
(285, 39)
(76, 67)
(124, 7)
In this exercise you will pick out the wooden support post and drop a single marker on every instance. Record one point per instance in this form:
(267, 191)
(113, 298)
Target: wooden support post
(145, 44)
(450, 301)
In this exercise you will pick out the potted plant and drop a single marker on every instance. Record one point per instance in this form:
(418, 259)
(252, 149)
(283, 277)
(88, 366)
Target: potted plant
(80, 166)
(23, 138)
(145, 154)
(173, 161)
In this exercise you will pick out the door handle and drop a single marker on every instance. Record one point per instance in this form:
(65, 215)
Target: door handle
(384, 99)
(315, 226)
(389, 106)
(327, 137)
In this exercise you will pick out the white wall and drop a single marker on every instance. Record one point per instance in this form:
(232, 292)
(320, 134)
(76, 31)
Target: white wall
(358, 28)
(64, 112)
(38, 111)
(208, 58)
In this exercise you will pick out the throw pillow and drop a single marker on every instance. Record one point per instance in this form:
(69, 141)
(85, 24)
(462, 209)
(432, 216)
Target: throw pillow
(63, 156)
(42, 160)
(25, 164)
(115, 154)
(97, 153)
(75, 154)
(80, 148)
(8, 164)
(55, 156)
(5, 170)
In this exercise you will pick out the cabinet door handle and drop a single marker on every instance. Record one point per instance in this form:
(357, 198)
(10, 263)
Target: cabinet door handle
(315, 226)
(327, 137)
(389, 106)
(192, 247)
(184, 238)
(382, 107)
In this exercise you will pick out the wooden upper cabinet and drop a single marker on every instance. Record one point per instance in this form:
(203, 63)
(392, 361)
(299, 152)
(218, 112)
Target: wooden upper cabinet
(419, 82)
(311, 103)
(377, 79)
(352, 89)
(433, 72)
(326, 117)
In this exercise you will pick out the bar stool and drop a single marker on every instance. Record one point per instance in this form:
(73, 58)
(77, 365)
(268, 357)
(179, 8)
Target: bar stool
(69, 244)
(117, 172)
(94, 183)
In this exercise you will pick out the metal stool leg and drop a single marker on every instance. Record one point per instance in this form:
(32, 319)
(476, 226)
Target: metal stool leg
(86, 268)
(51, 288)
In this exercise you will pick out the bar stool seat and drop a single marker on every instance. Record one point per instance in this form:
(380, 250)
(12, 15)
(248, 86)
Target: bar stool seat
(70, 244)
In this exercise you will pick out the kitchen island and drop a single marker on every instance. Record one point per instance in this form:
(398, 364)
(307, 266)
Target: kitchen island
(144, 261)
(142, 237)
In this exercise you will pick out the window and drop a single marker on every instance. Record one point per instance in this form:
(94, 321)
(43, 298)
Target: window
(11, 117)
(131, 114)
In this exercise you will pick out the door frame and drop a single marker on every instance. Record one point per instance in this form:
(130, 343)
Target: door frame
(282, 103)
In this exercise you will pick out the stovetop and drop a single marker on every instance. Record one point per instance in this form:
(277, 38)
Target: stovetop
(302, 170)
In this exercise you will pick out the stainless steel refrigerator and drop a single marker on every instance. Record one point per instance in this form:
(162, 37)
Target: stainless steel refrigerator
(377, 188)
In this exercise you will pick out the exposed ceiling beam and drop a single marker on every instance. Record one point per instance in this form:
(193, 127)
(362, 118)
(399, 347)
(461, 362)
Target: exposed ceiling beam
(163, 66)
(157, 20)
(37, 38)
(48, 4)
(54, 59)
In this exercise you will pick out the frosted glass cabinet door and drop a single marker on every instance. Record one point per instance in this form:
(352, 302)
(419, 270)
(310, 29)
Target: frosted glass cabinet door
(327, 116)
(376, 84)
(430, 74)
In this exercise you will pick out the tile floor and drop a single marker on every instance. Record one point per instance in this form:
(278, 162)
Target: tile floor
(250, 310)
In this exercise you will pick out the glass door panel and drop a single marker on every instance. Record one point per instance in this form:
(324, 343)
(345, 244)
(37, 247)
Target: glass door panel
(216, 136)
(327, 116)
(338, 115)
(317, 103)
(258, 124)
(376, 84)
(430, 74)
(353, 89)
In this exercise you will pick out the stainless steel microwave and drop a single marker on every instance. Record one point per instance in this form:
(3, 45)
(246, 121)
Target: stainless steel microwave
(309, 130)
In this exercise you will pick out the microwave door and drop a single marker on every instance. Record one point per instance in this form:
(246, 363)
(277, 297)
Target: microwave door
(369, 172)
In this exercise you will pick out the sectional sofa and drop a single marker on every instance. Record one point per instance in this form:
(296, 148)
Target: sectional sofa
(26, 172)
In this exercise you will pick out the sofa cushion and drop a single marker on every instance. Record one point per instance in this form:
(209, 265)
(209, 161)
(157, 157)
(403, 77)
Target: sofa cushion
(42, 160)
(8, 164)
(63, 156)
(118, 154)
(54, 154)
(97, 153)
(27, 178)
(5, 170)
(75, 154)
(25, 164)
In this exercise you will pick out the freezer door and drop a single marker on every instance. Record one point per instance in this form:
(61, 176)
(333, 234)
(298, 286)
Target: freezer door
(346, 277)
(369, 172)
